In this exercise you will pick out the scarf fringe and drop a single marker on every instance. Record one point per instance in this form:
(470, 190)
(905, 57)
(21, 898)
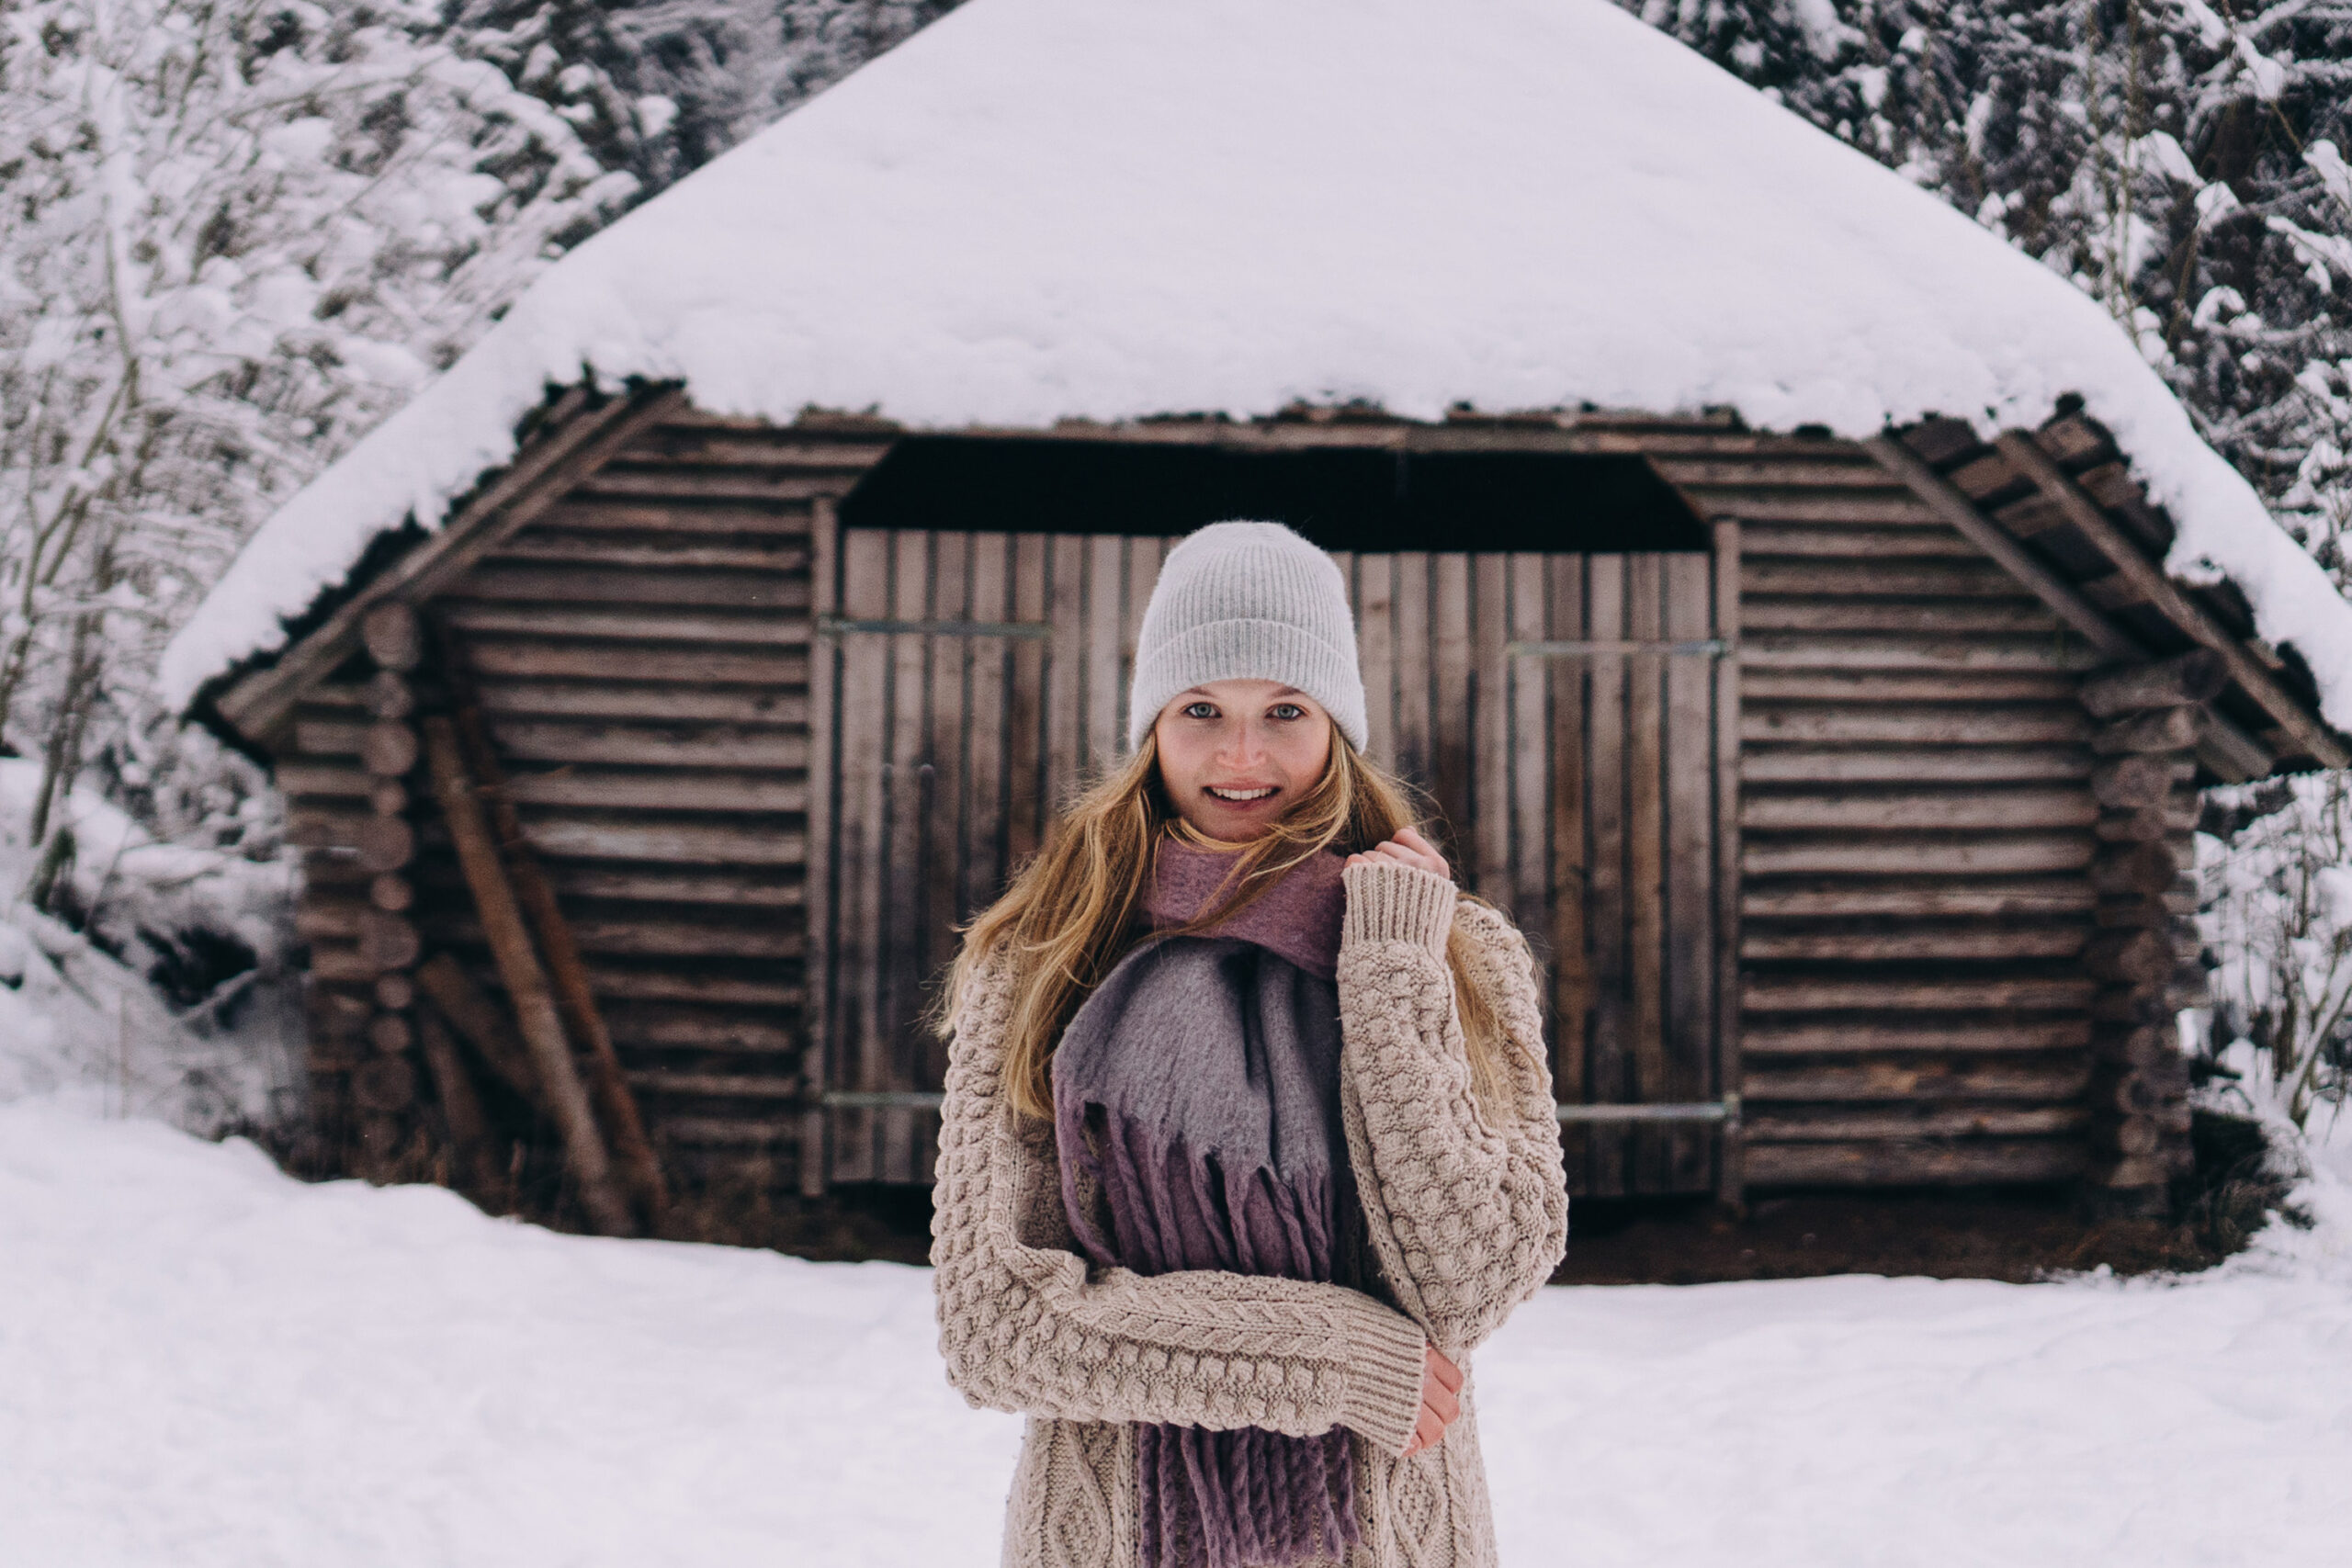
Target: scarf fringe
(1243, 1498)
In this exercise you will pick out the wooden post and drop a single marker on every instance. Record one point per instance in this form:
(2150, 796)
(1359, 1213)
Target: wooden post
(824, 658)
(487, 1029)
(1731, 1181)
(476, 1167)
(615, 1106)
(526, 980)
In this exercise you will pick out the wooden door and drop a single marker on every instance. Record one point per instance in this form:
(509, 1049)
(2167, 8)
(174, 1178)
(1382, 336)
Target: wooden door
(1562, 711)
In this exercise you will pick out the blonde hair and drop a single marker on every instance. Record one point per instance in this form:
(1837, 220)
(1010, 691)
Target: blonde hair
(1070, 914)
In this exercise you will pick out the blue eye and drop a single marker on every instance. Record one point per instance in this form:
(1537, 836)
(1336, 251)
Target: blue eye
(1200, 710)
(1288, 710)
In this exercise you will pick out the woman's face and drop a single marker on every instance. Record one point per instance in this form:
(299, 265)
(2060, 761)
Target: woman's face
(1235, 755)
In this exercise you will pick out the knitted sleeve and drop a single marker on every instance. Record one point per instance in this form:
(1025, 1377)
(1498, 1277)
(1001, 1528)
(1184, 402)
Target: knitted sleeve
(1475, 1196)
(1023, 1326)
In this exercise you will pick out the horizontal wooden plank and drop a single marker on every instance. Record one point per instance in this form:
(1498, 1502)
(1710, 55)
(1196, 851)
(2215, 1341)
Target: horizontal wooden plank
(1920, 539)
(1851, 687)
(661, 1083)
(1764, 720)
(639, 935)
(1870, 577)
(692, 844)
(775, 447)
(642, 1027)
(1893, 810)
(320, 779)
(632, 699)
(1892, 943)
(1875, 765)
(582, 514)
(330, 737)
(684, 1134)
(1920, 1079)
(650, 550)
(495, 657)
(1772, 1035)
(1772, 993)
(1937, 1122)
(1787, 650)
(1916, 618)
(532, 582)
(1917, 1163)
(1774, 504)
(652, 745)
(1918, 896)
(640, 482)
(665, 789)
(695, 983)
(563, 623)
(774, 887)
(1857, 472)
(1914, 855)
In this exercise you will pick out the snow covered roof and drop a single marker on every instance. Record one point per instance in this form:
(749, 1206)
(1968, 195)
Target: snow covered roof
(1107, 209)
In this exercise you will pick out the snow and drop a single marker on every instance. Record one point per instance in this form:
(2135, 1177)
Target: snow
(81, 1025)
(210, 1364)
(1037, 209)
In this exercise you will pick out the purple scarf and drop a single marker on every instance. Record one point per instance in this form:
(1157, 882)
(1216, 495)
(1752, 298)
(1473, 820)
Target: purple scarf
(1197, 1089)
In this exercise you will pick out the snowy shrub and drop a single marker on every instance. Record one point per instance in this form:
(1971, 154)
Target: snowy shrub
(2278, 881)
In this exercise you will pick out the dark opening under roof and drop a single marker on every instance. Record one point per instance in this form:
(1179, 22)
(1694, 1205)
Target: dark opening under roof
(1343, 497)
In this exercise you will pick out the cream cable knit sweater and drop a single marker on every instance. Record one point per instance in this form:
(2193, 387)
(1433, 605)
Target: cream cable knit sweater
(1468, 1216)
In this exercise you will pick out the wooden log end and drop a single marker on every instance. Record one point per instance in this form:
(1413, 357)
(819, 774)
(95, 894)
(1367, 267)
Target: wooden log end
(390, 1033)
(393, 636)
(2182, 681)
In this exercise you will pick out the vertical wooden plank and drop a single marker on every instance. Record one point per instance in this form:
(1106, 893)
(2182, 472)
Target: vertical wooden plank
(1066, 675)
(1569, 890)
(1690, 736)
(908, 792)
(940, 846)
(1646, 858)
(987, 738)
(1375, 591)
(1492, 753)
(1105, 600)
(1028, 805)
(1730, 1178)
(1449, 704)
(1530, 745)
(817, 910)
(1412, 652)
(858, 883)
(1142, 571)
(1609, 1070)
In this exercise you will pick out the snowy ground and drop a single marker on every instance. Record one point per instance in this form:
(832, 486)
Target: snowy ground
(203, 1362)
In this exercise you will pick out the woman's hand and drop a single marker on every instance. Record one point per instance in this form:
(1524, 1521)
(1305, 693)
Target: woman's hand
(1409, 847)
(1440, 1396)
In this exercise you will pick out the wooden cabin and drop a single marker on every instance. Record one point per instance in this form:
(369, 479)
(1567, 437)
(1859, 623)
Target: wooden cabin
(1843, 784)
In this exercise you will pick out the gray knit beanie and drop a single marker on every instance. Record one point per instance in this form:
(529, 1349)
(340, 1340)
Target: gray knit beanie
(1248, 601)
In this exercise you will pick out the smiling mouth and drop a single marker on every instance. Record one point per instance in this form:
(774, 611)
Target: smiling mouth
(1240, 796)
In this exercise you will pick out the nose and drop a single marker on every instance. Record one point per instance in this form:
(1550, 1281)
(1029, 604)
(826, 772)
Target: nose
(1243, 745)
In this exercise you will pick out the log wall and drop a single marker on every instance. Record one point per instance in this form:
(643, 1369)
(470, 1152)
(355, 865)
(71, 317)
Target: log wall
(1916, 826)
(1915, 831)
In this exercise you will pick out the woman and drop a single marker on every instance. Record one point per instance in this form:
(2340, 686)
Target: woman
(1249, 1139)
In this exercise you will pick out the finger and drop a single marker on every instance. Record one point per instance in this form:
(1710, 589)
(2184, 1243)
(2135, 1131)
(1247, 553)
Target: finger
(1445, 1402)
(1428, 1428)
(1447, 1372)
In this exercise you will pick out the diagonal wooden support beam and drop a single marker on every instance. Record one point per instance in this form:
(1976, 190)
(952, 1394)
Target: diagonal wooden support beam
(2228, 751)
(539, 474)
(2158, 590)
